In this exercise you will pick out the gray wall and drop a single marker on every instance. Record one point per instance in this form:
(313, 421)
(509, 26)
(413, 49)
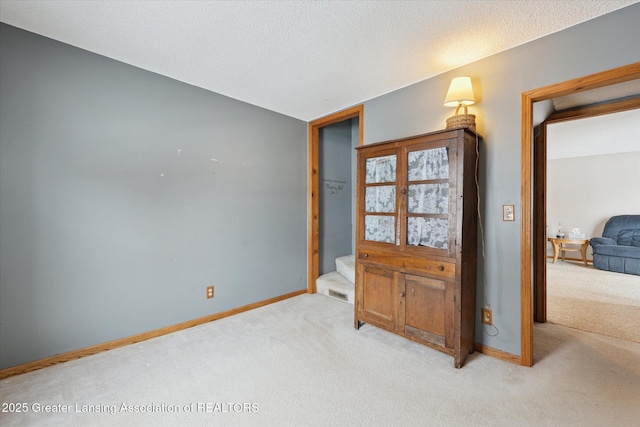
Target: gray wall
(606, 42)
(335, 173)
(123, 194)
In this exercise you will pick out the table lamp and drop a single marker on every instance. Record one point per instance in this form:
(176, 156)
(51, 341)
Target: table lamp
(460, 94)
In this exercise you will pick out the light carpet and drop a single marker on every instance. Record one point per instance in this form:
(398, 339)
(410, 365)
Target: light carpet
(593, 300)
(300, 362)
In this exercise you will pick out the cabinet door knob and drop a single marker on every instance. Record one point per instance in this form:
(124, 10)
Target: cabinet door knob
(440, 268)
(366, 255)
(401, 294)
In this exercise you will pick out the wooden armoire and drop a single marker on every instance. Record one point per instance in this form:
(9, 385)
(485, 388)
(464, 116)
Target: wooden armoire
(416, 237)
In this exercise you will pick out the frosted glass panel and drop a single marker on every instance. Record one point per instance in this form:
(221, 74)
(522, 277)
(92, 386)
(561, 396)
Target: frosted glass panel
(379, 228)
(428, 164)
(431, 232)
(429, 198)
(380, 169)
(380, 199)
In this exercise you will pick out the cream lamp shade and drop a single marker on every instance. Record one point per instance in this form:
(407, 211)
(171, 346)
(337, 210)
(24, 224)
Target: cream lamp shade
(460, 94)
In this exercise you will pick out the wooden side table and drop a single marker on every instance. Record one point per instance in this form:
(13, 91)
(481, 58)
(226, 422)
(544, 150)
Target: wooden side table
(559, 246)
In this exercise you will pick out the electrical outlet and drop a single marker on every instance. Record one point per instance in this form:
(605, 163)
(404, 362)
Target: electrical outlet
(209, 292)
(487, 317)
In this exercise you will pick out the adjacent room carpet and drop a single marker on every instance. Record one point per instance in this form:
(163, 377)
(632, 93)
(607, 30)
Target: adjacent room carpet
(300, 362)
(592, 300)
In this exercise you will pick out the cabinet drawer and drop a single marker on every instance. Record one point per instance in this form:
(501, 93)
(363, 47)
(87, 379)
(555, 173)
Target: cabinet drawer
(410, 264)
(429, 266)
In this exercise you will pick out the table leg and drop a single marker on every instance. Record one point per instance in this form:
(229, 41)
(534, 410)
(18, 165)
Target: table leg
(583, 251)
(555, 251)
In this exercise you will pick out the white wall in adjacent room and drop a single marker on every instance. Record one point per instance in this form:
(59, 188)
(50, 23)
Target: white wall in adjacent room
(593, 172)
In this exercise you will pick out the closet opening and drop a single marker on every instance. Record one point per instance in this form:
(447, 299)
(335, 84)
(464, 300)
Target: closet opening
(331, 203)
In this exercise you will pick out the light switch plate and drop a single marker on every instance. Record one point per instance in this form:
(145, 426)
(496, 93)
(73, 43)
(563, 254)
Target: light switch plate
(508, 213)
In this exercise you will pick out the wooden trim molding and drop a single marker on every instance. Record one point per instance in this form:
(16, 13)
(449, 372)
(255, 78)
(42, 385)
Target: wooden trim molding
(581, 84)
(540, 225)
(110, 345)
(594, 110)
(313, 182)
(313, 209)
(498, 354)
(526, 249)
(593, 81)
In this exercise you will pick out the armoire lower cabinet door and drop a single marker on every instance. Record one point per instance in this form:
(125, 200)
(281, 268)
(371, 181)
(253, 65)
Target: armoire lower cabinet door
(428, 304)
(377, 302)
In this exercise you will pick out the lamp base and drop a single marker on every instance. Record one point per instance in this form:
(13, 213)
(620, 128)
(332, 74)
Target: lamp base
(462, 120)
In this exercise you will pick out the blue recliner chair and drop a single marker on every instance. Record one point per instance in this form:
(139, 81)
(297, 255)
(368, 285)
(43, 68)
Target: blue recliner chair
(619, 247)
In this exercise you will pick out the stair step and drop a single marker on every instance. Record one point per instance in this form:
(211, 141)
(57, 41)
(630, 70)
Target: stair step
(334, 285)
(346, 265)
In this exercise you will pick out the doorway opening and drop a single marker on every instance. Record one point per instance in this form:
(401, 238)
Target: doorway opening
(570, 162)
(592, 171)
(533, 232)
(320, 247)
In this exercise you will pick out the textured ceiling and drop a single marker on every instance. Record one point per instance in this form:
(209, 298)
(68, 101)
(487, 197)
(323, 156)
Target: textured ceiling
(305, 59)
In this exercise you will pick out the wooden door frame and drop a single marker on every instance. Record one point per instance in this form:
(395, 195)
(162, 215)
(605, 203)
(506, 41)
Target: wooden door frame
(593, 81)
(313, 185)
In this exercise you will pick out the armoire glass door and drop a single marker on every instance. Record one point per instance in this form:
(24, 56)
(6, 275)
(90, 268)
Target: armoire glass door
(380, 199)
(428, 198)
